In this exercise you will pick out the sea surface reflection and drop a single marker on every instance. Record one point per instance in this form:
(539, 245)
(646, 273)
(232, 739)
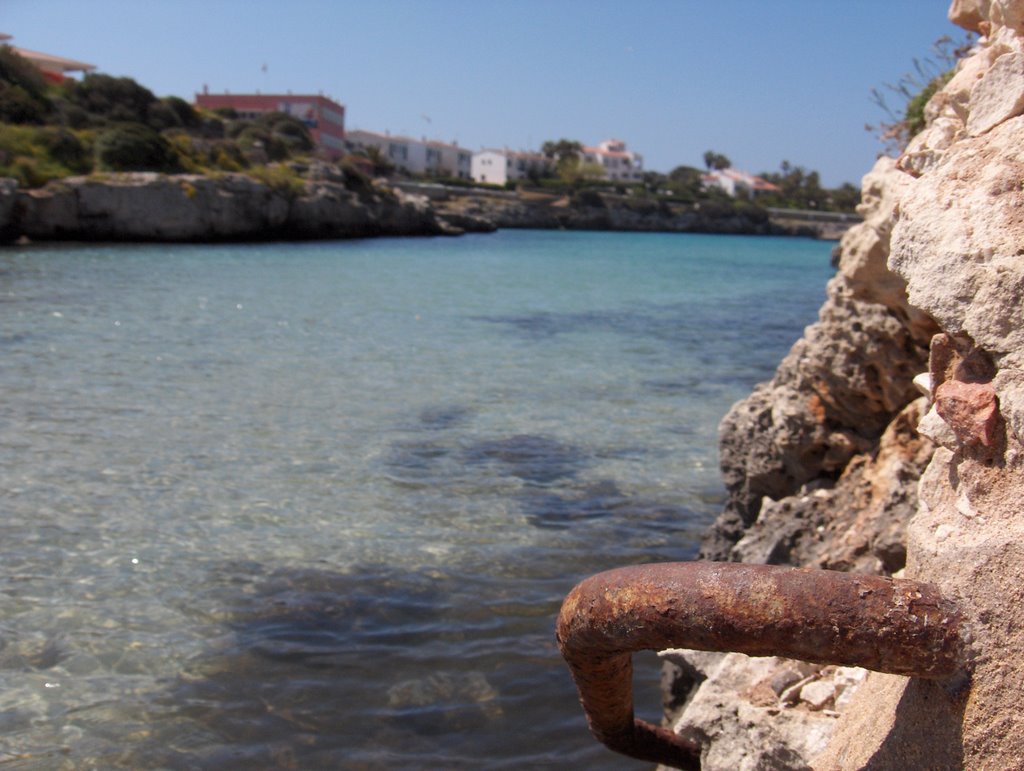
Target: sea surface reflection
(316, 505)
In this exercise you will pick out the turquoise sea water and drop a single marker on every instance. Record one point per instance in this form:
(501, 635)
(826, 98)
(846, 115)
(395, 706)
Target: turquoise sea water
(316, 505)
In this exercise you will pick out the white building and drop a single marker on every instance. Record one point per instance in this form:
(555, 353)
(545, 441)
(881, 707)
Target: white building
(496, 167)
(735, 183)
(448, 160)
(618, 163)
(416, 156)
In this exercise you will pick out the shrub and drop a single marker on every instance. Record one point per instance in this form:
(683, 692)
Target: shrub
(171, 112)
(22, 90)
(111, 99)
(914, 117)
(356, 179)
(716, 208)
(752, 212)
(187, 116)
(236, 128)
(67, 149)
(210, 128)
(70, 115)
(228, 157)
(190, 153)
(289, 130)
(589, 198)
(134, 147)
(18, 71)
(279, 178)
(161, 117)
(19, 106)
(34, 155)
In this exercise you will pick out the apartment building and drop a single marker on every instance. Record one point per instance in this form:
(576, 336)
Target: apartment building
(618, 163)
(324, 117)
(422, 157)
(497, 167)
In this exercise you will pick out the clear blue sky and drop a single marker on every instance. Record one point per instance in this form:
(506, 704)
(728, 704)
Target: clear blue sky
(759, 81)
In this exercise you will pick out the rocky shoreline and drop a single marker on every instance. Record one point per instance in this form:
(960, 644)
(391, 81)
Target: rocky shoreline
(888, 442)
(194, 208)
(147, 206)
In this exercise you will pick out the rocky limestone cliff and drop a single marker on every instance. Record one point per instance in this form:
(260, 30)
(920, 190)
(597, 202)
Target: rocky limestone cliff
(605, 211)
(836, 391)
(821, 466)
(839, 462)
(236, 207)
(231, 207)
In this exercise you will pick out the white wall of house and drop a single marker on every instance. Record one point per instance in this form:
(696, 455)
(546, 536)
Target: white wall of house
(454, 161)
(490, 167)
(416, 156)
(735, 182)
(618, 163)
(496, 167)
(723, 182)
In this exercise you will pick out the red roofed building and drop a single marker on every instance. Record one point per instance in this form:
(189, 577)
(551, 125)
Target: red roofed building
(736, 182)
(324, 117)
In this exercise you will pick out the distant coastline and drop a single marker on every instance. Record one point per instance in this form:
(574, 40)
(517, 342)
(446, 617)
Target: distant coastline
(149, 206)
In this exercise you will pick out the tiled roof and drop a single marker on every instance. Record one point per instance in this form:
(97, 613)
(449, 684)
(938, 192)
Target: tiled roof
(53, 62)
(742, 177)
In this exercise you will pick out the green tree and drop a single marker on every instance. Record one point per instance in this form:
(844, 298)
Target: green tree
(716, 161)
(685, 180)
(846, 197)
(801, 189)
(563, 148)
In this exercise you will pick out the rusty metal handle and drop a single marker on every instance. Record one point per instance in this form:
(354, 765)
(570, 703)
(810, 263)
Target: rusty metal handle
(824, 616)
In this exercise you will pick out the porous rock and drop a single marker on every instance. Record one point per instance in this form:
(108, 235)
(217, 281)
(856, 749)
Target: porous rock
(955, 242)
(998, 96)
(755, 730)
(840, 385)
(860, 523)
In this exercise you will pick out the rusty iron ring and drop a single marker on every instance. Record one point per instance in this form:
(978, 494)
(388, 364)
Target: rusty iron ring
(823, 616)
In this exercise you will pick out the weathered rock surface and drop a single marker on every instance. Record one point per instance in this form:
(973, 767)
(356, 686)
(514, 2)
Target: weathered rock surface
(857, 525)
(840, 385)
(950, 217)
(957, 241)
(234, 207)
(8, 197)
(756, 713)
(610, 212)
(821, 465)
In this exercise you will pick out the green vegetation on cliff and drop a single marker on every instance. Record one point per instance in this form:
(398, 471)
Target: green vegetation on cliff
(103, 123)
